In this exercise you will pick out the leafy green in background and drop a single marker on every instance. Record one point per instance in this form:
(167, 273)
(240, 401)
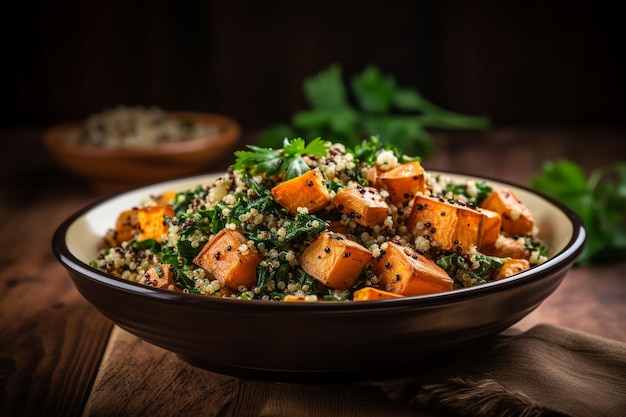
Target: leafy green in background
(599, 200)
(372, 105)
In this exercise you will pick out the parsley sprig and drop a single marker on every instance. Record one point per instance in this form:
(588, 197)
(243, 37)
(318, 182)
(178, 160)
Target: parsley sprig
(372, 103)
(599, 200)
(287, 162)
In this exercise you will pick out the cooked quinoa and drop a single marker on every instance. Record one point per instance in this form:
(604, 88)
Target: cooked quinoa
(136, 126)
(241, 199)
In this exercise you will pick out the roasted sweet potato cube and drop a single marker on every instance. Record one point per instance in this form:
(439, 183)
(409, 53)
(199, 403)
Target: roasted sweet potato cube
(370, 293)
(373, 176)
(492, 222)
(506, 247)
(516, 217)
(160, 276)
(152, 224)
(230, 260)
(307, 190)
(434, 219)
(166, 198)
(401, 271)
(338, 227)
(404, 181)
(335, 260)
(512, 267)
(468, 229)
(448, 226)
(364, 204)
(126, 227)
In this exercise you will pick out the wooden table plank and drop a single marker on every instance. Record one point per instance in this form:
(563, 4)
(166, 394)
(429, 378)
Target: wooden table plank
(51, 339)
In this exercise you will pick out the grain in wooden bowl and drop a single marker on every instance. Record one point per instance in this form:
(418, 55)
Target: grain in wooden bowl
(111, 165)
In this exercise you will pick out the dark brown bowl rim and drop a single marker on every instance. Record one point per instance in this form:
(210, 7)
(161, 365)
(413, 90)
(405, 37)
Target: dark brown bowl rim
(563, 259)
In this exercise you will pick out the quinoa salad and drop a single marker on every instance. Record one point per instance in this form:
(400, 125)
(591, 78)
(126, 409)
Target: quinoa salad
(317, 222)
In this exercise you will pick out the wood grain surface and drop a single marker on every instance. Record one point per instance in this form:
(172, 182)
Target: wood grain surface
(60, 356)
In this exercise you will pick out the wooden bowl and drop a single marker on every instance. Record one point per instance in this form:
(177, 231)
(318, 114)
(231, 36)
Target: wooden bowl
(113, 170)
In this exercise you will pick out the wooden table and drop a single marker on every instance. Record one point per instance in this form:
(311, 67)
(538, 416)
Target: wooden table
(60, 356)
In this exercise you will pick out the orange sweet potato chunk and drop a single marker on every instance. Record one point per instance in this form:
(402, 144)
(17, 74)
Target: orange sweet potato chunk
(516, 217)
(307, 190)
(166, 198)
(364, 204)
(126, 227)
(402, 272)
(159, 276)
(141, 223)
(435, 219)
(404, 181)
(512, 267)
(229, 259)
(152, 223)
(469, 228)
(369, 293)
(373, 176)
(492, 222)
(506, 247)
(448, 226)
(335, 260)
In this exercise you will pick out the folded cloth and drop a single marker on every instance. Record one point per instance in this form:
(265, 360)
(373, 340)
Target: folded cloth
(545, 371)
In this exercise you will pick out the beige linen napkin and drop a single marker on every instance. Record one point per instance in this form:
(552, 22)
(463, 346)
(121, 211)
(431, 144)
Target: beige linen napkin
(545, 371)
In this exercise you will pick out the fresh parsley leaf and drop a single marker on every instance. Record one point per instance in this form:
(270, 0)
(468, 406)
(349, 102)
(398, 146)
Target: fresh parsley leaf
(377, 106)
(287, 162)
(599, 201)
(326, 90)
(374, 92)
(368, 150)
(298, 147)
(340, 124)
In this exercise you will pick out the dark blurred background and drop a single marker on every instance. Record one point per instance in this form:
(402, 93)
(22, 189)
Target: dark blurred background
(533, 63)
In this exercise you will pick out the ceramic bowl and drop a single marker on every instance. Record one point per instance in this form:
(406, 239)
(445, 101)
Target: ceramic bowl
(111, 171)
(308, 342)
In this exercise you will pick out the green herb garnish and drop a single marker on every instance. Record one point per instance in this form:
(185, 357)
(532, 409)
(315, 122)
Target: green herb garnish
(483, 190)
(377, 106)
(599, 200)
(287, 161)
